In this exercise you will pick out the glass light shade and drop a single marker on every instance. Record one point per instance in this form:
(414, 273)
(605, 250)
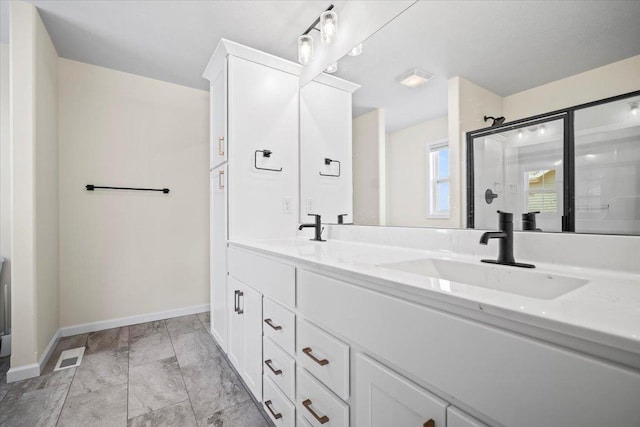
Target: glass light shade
(328, 26)
(305, 49)
(332, 68)
(357, 50)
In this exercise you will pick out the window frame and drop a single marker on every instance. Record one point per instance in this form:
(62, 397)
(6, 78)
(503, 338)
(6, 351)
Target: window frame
(433, 180)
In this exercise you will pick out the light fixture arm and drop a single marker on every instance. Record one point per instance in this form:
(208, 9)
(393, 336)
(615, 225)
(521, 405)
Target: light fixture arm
(313, 26)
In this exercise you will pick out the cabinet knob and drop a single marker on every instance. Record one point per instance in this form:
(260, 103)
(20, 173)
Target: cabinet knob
(321, 419)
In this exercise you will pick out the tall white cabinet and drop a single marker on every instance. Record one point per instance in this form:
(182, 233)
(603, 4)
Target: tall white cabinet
(253, 182)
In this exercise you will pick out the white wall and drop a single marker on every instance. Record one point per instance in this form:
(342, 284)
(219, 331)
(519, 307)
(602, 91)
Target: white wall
(369, 168)
(468, 104)
(130, 253)
(5, 178)
(406, 163)
(34, 139)
(602, 82)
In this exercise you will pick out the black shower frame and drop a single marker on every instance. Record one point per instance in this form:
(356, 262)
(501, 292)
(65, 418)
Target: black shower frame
(567, 115)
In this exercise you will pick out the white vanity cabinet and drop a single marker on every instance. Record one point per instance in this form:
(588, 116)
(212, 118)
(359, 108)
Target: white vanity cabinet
(384, 398)
(218, 119)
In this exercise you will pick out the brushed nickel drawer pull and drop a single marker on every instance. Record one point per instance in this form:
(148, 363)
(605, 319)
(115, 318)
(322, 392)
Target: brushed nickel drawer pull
(221, 180)
(321, 419)
(221, 146)
(269, 363)
(270, 323)
(308, 350)
(429, 423)
(268, 404)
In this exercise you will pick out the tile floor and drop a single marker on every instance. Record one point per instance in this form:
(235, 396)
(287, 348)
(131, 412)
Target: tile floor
(163, 373)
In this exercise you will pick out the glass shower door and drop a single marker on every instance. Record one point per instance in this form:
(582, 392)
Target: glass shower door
(519, 170)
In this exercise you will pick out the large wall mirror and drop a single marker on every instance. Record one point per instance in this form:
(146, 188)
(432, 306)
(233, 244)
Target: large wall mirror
(450, 120)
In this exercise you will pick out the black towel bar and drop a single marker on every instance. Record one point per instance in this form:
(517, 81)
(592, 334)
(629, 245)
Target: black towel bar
(91, 187)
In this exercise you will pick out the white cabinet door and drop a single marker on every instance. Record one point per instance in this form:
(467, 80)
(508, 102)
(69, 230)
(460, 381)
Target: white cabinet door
(236, 346)
(457, 418)
(218, 255)
(251, 304)
(384, 399)
(218, 120)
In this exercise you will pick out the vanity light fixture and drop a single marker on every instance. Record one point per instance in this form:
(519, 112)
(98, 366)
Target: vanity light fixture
(328, 30)
(332, 68)
(328, 26)
(497, 121)
(414, 78)
(357, 50)
(305, 49)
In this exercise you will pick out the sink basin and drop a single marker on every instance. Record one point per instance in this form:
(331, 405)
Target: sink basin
(514, 280)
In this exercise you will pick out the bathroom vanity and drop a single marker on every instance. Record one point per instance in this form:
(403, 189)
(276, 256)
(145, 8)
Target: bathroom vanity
(354, 329)
(395, 326)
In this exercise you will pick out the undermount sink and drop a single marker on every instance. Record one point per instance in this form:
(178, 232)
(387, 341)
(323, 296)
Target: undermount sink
(514, 280)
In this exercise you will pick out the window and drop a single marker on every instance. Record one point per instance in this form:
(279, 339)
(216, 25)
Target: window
(438, 186)
(542, 191)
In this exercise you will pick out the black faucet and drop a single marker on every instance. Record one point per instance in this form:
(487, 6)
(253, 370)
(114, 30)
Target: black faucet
(341, 218)
(318, 228)
(505, 250)
(529, 221)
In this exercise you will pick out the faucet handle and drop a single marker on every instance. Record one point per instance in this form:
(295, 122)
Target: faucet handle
(341, 218)
(314, 215)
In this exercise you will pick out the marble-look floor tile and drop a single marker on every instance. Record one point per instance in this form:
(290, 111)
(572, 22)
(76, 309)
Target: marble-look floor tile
(50, 380)
(4, 389)
(4, 367)
(180, 414)
(155, 385)
(150, 348)
(212, 387)
(39, 407)
(245, 414)
(183, 325)
(194, 347)
(110, 339)
(65, 343)
(144, 329)
(205, 319)
(99, 371)
(106, 407)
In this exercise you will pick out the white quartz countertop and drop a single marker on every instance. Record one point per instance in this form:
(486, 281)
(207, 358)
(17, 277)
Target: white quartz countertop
(606, 310)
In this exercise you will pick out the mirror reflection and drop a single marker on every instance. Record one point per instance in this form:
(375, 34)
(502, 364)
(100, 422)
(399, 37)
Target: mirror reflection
(442, 71)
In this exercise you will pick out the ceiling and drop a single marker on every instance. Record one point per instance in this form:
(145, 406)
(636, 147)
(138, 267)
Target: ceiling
(169, 40)
(504, 46)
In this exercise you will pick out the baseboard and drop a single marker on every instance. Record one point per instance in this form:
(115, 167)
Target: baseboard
(23, 372)
(68, 331)
(46, 354)
(33, 370)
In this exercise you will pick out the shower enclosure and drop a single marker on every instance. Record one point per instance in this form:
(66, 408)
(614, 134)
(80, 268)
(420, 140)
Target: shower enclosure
(578, 169)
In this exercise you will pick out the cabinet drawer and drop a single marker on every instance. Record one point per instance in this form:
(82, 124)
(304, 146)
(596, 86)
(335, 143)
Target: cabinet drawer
(280, 409)
(279, 367)
(279, 325)
(301, 422)
(272, 279)
(325, 357)
(457, 418)
(317, 405)
(384, 398)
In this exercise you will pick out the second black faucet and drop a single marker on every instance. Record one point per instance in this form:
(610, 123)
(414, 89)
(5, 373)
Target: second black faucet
(317, 225)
